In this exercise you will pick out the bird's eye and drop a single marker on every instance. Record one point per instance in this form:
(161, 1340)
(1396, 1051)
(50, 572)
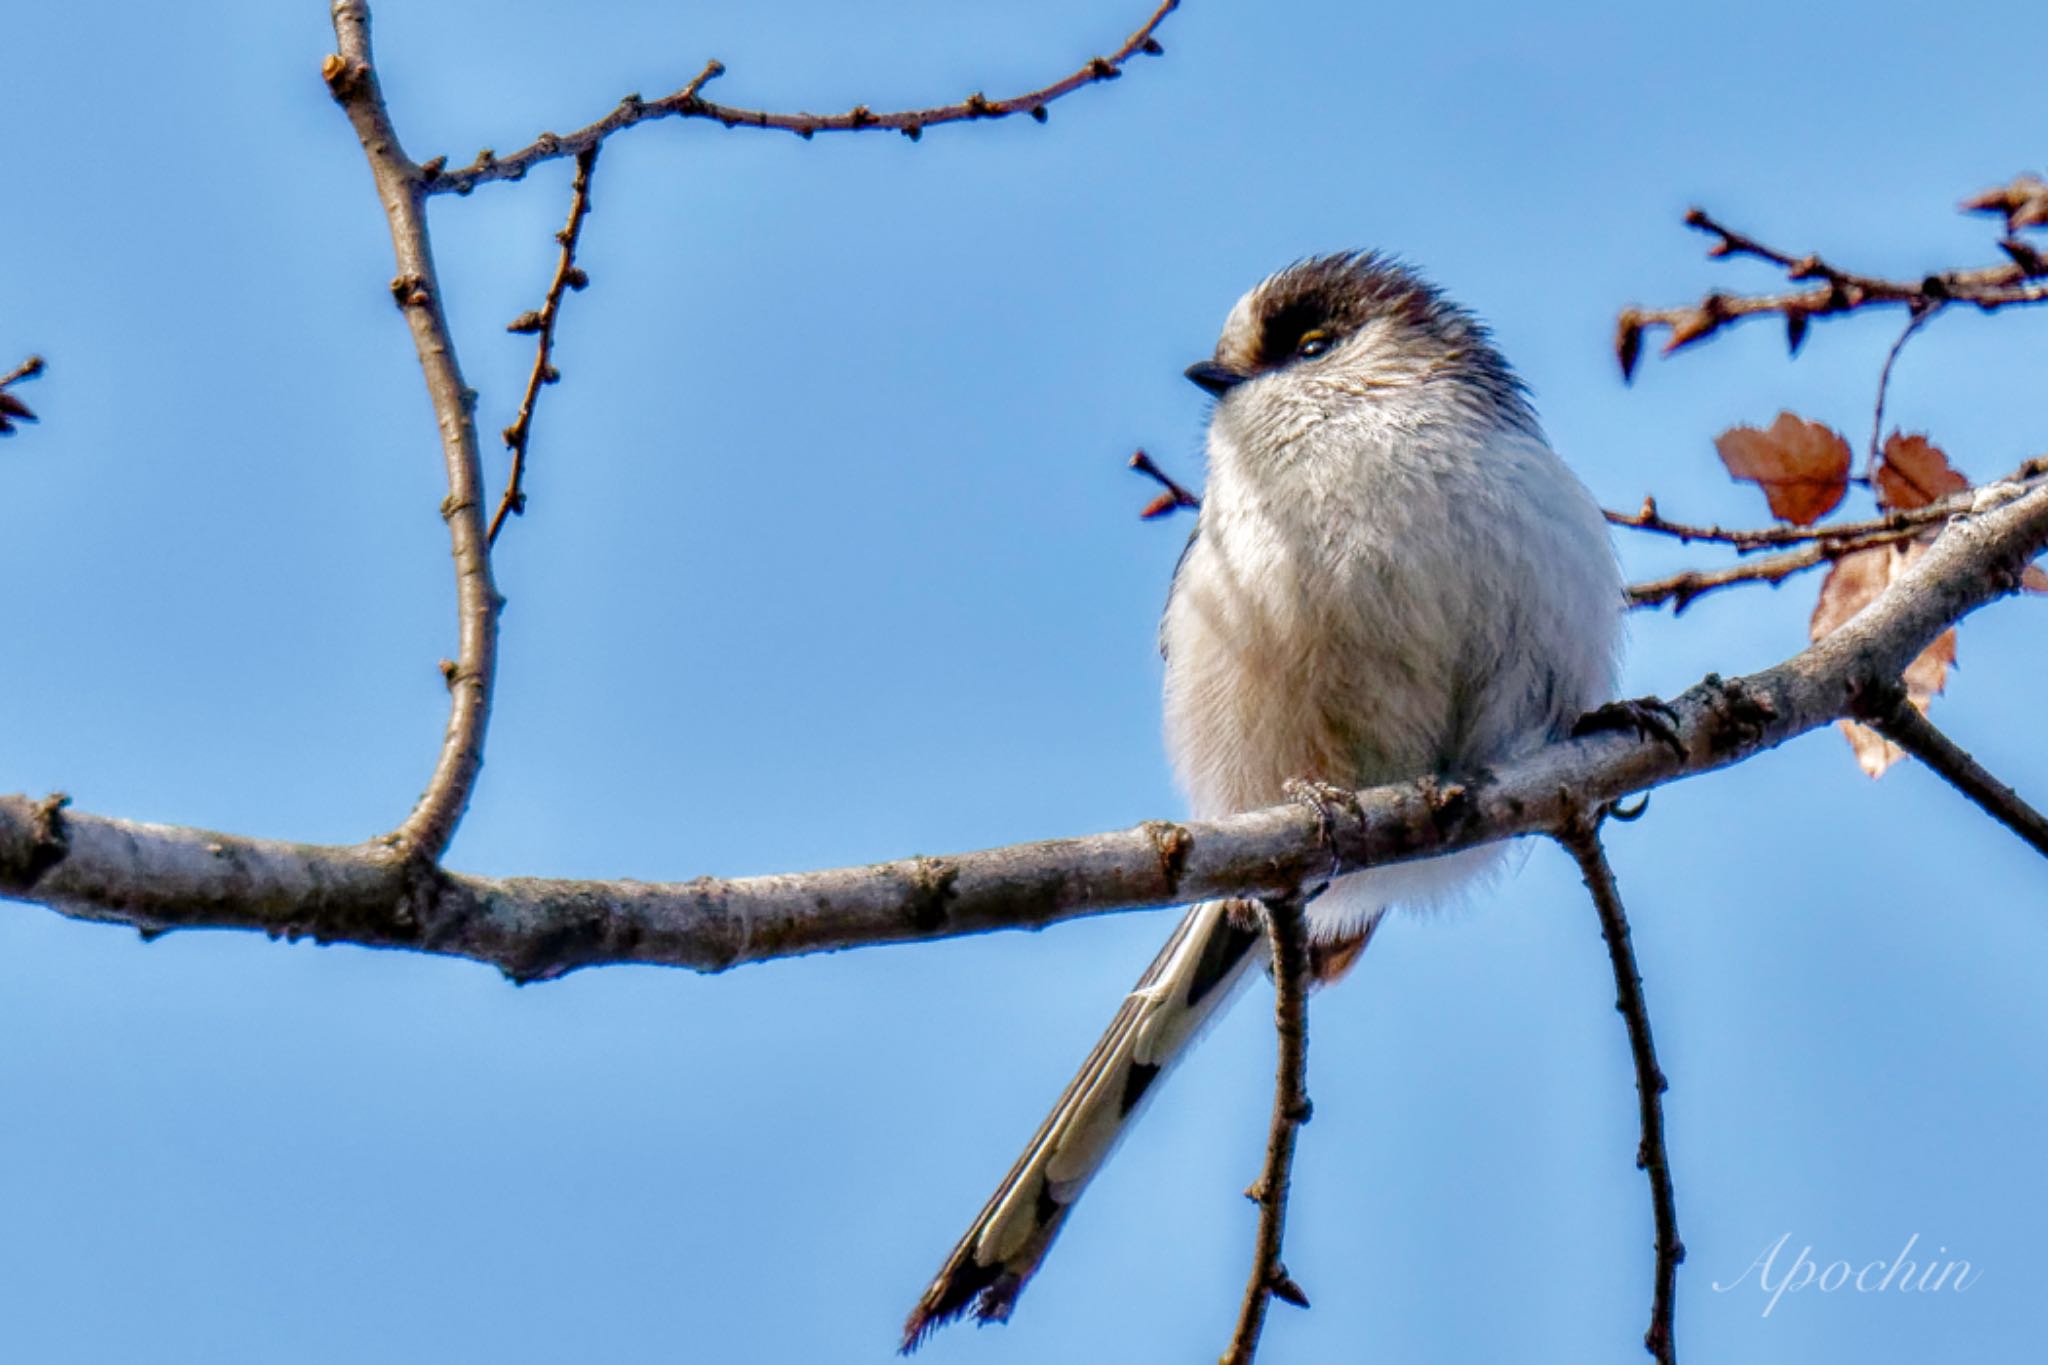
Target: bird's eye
(1312, 344)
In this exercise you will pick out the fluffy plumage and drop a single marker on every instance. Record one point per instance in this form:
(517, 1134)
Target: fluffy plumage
(1392, 576)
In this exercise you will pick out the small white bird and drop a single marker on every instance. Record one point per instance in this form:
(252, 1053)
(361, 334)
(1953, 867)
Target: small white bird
(1392, 576)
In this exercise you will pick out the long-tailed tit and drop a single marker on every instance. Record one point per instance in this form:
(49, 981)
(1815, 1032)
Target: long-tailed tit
(1392, 576)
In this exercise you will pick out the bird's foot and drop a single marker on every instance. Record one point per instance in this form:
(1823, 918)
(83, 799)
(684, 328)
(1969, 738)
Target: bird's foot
(1643, 717)
(1326, 800)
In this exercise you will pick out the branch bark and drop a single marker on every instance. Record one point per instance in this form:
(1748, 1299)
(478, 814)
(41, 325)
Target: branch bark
(2019, 281)
(1892, 715)
(156, 877)
(1581, 838)
(1287, 930)
(568, 275)
(689, 102)
(471, 677)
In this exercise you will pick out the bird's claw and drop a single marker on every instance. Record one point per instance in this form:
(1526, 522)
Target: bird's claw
(1643, 717)
(1325, 799)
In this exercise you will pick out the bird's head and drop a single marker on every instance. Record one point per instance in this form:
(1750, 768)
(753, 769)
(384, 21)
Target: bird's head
(1333, 335)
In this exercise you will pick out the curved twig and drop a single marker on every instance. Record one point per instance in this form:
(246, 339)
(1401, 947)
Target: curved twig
(1581, 838)
(351, 79)
(1922, 314)
(1286, 930)
(688, 102)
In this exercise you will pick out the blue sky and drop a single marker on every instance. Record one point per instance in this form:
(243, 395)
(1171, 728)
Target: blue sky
(832, 556)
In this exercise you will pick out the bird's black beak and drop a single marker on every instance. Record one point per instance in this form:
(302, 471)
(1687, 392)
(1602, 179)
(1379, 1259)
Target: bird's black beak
(1217, 379)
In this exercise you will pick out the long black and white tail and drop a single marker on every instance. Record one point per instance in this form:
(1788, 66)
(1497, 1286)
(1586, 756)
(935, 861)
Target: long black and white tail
(1192, 976)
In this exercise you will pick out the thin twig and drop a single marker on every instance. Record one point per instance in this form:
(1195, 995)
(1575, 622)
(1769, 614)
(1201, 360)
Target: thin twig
(1649, 518)
(542, 321)
(1815, 545)
(1173, 499)
(1581, 838)
(2018, 281)
(1747, 540)
(688, 102)
(1887, 711)
(471, 676)
(1286, 928)
(1921, 316)
(1683, 588)
(2021, 201)
(12, 409)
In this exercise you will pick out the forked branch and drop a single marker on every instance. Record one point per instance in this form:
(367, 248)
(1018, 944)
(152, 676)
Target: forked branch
(689, 102)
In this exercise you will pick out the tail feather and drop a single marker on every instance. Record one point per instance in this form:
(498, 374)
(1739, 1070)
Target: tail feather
(1183, 987)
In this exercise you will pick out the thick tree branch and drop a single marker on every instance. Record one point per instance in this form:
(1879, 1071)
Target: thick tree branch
(156, 877)
(1581, 838)
(1287, 930)
(689, 102)
(473, 674)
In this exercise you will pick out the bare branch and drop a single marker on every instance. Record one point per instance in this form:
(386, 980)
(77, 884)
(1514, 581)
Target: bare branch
(1921, 316)
(1581, 838)
(2023, 202)
(2018, 281)
(1817, 545)
(12, 409)
(1683, 588)
(689, 102)
(1887, 710)
(542, 321)
(1287, 931)
(155, 877)
(1172, 499)
(472, 675)
(1649, 518)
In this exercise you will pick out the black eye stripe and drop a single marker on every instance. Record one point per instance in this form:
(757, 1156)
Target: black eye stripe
(1281, 336)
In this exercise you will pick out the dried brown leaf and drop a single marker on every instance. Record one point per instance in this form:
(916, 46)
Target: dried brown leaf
(1802, 466)
(1874, 753)
(1855, 581)
(1914, 472)
(2034, 579)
